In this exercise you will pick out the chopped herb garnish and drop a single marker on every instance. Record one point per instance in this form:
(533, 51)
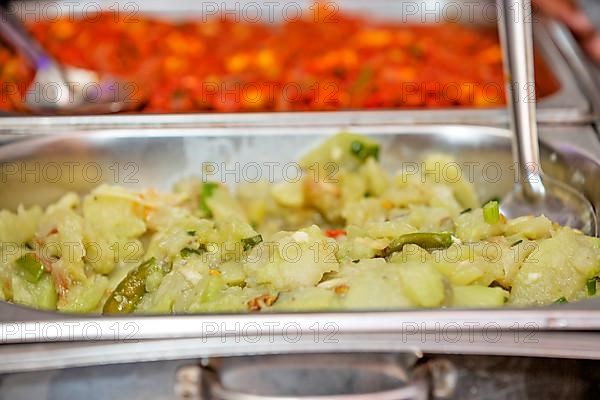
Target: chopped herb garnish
(191, 233)
(496, 199)
(466, 210)
(355, 261)
(363, 152)
(517, 243)
(491, 212)
(591, 286)
(416, 51)
(208, 188)
(339, 72)
(31, 266)
(561, 300)
(364, 78)
(356, 147)
(188, 251)
(249, 243)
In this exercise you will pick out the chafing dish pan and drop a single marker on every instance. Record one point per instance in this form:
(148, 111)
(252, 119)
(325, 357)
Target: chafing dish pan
(33, 339)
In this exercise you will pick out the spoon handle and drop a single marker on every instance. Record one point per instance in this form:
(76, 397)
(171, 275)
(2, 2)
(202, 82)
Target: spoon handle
(14, 33)
(516, 36)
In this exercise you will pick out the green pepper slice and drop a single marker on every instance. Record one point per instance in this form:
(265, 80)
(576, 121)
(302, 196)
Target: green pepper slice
(249, 243)
(561, 300)
(31, 266)
(591, 286)
(208, 188)
(362, 151)
(491, 212)
(428, 241)
(130, 290)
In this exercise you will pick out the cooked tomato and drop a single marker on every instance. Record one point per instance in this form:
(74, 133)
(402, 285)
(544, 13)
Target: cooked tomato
(334, 233)
(310, 64)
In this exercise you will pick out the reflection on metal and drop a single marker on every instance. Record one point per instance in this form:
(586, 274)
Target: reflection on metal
(317, 377)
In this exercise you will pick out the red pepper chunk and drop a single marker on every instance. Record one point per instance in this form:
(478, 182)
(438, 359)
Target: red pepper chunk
(334, 233)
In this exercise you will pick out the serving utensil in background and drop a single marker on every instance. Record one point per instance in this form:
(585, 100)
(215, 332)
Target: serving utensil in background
(59, 89)
(535, 193)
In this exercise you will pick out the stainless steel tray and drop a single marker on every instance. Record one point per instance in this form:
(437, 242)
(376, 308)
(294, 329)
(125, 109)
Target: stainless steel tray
(568, 105)
(159, 157)
(473, 378)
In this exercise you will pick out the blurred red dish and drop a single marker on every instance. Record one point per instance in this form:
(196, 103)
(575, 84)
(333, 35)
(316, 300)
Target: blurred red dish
(351, 63)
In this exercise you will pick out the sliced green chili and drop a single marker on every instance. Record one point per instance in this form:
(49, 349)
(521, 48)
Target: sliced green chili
(249, 243)
(364, 78)
(360, 150)
(32, 267)
(125, 298)
(496, 199)
(188, 251)
(591, 286)
(491, 212)
(208, 189)
(428, 241)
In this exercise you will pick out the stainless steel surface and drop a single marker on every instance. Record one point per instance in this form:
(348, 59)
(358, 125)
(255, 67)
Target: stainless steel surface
(587, 71)
(517, 42)
(159, 157)
(479, 378)
(310, 377)
(16, 35)
(559, 202)
(58, 89)
(569, 104)
(534, 193)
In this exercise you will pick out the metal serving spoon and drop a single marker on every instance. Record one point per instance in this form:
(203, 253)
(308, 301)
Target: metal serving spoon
(58, 89)
(536, 193)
